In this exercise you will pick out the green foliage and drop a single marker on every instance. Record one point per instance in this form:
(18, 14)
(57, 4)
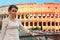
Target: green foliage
(0, 24)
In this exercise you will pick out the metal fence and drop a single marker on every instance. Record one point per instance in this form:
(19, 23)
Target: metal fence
(44, 36)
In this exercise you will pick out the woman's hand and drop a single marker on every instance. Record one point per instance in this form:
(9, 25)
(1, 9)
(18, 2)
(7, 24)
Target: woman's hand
(31, 33)
(40, 32)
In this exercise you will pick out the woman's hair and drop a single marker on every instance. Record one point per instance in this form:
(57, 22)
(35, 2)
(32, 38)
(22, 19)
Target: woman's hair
(12, 6)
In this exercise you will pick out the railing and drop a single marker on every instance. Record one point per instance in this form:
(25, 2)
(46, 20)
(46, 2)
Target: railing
(46, 35)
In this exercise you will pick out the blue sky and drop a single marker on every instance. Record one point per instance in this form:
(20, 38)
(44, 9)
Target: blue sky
(7, 2)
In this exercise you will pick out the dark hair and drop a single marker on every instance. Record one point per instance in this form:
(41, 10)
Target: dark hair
(12, 6)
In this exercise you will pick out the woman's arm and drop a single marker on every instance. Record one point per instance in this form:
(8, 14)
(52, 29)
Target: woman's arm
(4, 27)
(25, 29)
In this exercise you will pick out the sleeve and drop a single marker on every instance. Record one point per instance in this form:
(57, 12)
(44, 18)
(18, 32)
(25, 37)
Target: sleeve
(23, 28)
(4, 28)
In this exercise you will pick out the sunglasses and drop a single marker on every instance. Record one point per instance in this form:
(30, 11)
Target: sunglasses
(14, 10)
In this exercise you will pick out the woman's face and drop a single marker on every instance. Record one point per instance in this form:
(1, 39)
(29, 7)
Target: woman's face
(13, 12)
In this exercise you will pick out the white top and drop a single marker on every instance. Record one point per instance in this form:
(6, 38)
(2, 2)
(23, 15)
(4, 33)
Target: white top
(10, 29)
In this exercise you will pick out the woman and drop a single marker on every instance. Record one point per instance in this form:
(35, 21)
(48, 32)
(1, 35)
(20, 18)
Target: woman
(10, 25)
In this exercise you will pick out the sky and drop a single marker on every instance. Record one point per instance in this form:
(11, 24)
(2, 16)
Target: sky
(7, 2)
